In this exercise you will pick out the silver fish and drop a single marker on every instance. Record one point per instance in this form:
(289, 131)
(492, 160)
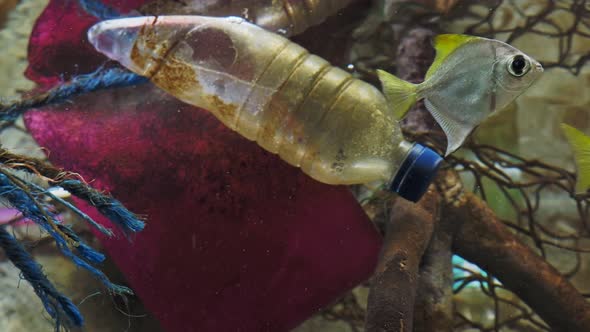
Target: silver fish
(470, 78)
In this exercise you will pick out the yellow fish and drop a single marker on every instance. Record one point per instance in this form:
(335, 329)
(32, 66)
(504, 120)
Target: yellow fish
(580, 143)
(470, 78)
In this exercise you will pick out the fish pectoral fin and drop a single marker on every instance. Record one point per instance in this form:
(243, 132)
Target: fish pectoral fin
(455, 131)
(580, 144)
(400, 94)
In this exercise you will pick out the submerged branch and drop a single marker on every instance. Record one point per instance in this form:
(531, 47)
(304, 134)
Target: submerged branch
(393, 290)
(433, 311)
(483, 239)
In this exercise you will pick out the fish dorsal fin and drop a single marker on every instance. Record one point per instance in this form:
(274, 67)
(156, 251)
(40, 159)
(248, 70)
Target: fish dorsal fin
(400, 95)
(580, 144)
(444, 46)
(455, 131)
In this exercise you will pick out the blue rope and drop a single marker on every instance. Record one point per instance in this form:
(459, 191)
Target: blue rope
(99, 10)
(74, 209)
(106, 205)
(59, 307)
(85, 251)
(55, 303)
(99, 80)
(23, 202)
(90, 255)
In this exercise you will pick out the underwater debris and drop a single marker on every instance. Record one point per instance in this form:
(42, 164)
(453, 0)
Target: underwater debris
(337, 129)
(100, 79)
(58, 306)
(22, 196)
(521, 185)
(199, 181)
(30, 199)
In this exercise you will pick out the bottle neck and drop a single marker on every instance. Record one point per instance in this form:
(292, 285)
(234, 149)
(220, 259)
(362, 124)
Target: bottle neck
(402, 150)
(416, 171)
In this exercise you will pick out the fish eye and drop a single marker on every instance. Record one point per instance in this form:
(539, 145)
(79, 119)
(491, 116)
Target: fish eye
(518, 66)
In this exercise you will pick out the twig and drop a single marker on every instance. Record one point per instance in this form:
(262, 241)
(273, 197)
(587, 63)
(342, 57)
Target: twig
(393, 289)
(484, 240)
(433, 311)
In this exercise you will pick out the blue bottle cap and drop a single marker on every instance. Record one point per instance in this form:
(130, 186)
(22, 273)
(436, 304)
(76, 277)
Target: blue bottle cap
(416, 173)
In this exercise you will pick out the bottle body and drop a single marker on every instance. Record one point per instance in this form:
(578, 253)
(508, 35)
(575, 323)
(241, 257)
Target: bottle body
(338, 129)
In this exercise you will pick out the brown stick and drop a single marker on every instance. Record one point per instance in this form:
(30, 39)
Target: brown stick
(484, 240)
(433, 308)
(433, 311)
(391, 297)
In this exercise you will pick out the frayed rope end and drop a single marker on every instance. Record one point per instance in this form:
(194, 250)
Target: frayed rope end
(106, 205)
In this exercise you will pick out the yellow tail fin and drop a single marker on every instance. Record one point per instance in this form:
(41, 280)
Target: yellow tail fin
(399, 93)
(580, 144)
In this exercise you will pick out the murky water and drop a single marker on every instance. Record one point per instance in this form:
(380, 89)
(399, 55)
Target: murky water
(237, 239)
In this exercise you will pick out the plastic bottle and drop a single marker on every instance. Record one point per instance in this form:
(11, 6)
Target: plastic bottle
(338, 129)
